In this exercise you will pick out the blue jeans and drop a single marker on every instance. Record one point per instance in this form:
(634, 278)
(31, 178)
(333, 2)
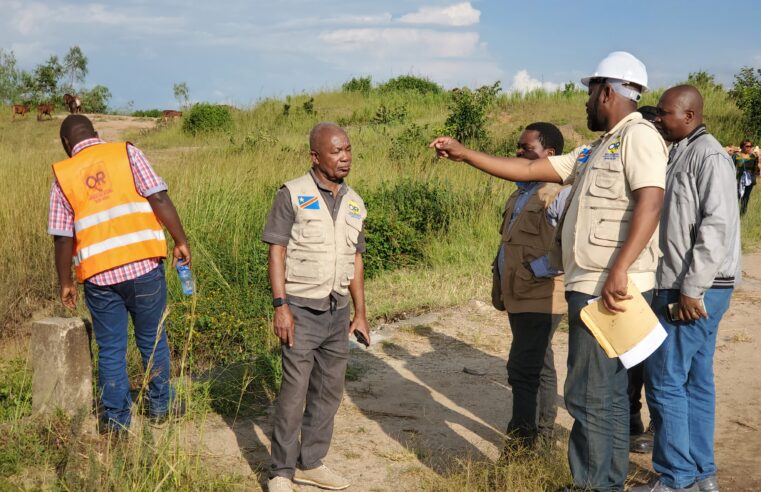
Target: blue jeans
(144, 298)
(596, 397)
(680, 391)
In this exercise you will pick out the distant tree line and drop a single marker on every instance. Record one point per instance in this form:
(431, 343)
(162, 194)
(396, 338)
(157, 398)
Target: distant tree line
(50, 80)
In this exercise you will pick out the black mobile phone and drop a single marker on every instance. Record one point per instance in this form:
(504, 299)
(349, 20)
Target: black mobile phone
(361, 338)
(672, 312)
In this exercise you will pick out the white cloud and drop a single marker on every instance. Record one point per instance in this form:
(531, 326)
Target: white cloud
(523, 82)
(35, 18)
(399, 41)
(461, 14)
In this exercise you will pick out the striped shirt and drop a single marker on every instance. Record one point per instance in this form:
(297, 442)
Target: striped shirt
(61, 215)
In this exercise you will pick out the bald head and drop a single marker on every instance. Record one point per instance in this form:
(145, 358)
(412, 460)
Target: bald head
(680, 112)
(74, 129)
(323, 130)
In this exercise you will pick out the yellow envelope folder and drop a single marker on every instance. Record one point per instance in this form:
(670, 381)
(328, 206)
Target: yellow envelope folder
(617, 333)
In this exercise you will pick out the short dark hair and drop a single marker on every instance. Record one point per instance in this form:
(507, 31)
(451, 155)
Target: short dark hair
(648, 112)
(549, 135)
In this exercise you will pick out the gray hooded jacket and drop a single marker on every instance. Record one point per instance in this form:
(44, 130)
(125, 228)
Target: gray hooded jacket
(700, 223)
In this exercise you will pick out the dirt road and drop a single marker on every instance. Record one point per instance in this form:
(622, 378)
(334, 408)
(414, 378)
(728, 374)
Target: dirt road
(409, 406)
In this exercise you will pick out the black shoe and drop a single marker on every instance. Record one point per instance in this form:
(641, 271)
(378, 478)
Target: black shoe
(112, 431)
(644, 442)
(177, 410)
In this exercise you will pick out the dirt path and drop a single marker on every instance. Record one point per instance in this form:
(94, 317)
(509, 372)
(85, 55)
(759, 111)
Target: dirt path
(409, 406)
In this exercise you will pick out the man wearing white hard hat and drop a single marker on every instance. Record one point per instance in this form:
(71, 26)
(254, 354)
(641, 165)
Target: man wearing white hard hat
(607, 235)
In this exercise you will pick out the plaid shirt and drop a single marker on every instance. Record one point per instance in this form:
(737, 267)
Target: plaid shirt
(61, 215)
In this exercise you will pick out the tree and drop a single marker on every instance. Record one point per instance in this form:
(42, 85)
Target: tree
(96, 99)
(181, 93)
(747, 95)
(75, 66)
(704, 81)
(10, 78)
(47, 77)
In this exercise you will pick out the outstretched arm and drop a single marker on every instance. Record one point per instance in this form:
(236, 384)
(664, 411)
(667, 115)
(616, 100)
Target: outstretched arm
(509, 168)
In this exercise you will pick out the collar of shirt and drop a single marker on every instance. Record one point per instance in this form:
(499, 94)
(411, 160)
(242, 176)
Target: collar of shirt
(341, 188)
(634, 115)
(678, 147)
(86, 143)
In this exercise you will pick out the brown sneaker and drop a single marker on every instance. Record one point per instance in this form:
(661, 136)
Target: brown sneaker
(279, 484)
(322, 477)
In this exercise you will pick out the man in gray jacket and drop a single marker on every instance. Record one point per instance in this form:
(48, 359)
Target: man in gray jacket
(700, 240)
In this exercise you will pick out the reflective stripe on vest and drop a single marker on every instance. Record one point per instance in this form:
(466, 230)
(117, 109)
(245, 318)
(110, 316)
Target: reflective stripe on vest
(111, 213)
(113, 224)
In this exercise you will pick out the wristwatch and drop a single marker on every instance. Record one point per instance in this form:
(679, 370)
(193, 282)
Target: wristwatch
(278, 301)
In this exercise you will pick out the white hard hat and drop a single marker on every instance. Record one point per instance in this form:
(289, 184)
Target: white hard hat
(622, 66)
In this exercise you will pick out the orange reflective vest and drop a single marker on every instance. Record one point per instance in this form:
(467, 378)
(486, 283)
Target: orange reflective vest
(113, 224)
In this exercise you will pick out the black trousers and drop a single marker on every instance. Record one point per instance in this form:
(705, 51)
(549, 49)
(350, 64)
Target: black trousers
(636, 382)
(531, 374)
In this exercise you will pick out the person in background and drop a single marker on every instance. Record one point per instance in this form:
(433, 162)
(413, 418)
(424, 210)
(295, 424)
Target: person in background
(531, 292)
(107, 207)
(747, 169)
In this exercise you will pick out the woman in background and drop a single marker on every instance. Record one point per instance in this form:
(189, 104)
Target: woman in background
(746, 163)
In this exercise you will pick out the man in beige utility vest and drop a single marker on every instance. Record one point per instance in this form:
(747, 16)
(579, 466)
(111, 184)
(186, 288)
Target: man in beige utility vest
(607, 236)
(531, 292)
(314, 232)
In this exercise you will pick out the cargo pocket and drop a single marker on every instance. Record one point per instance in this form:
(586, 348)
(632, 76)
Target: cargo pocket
(312, 232)
(608, 180)
(303, 270)
(353, 228)
(527, 287)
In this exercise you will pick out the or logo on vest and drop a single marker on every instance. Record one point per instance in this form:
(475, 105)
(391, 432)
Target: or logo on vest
(582, 159)
(97, 183)
(614, 150)
(354, 210)
(308, 202)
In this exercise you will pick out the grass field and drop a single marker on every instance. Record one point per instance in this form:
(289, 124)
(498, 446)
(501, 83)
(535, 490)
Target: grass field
(222, 186)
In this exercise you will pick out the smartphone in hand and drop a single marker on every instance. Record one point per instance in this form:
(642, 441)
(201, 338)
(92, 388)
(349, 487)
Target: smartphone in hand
(361, 338)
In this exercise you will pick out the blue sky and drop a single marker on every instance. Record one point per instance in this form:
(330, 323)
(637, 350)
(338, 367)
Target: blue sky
(238, 51)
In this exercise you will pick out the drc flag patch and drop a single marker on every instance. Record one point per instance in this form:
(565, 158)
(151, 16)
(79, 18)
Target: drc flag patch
(308, 202)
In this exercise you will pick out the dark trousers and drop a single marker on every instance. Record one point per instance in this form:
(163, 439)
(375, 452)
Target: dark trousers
(596, 397)
(636, 382)
(313, 374)
(531, 374)
(745, 199)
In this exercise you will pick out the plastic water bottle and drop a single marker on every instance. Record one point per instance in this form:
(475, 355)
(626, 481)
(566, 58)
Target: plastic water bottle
(186, 279)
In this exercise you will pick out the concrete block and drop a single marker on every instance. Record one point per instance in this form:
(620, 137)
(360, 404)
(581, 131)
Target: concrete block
(62, 378)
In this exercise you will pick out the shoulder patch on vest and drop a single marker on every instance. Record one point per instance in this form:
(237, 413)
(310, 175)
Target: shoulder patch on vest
(308, 202)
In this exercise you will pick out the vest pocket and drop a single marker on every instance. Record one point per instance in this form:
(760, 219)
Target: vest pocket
(608, 180)
(312, 232)
(302, 270)
(354, 226)
(526, 286)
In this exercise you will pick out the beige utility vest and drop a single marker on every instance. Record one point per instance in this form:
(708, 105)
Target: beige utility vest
(529, 238)
(320, 254)
(605, 209)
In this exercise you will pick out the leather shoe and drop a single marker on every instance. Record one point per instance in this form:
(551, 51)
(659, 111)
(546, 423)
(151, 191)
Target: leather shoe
(658, 486)
(709, 484)
(642, 443)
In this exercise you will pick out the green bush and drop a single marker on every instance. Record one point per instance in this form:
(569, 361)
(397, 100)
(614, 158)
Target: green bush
(358, 84)
(411, 83)
(147, 113)
(410, 144)
(402, 220)
(207, 118)
(747, 95)
(467, 117)
(387, 116)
